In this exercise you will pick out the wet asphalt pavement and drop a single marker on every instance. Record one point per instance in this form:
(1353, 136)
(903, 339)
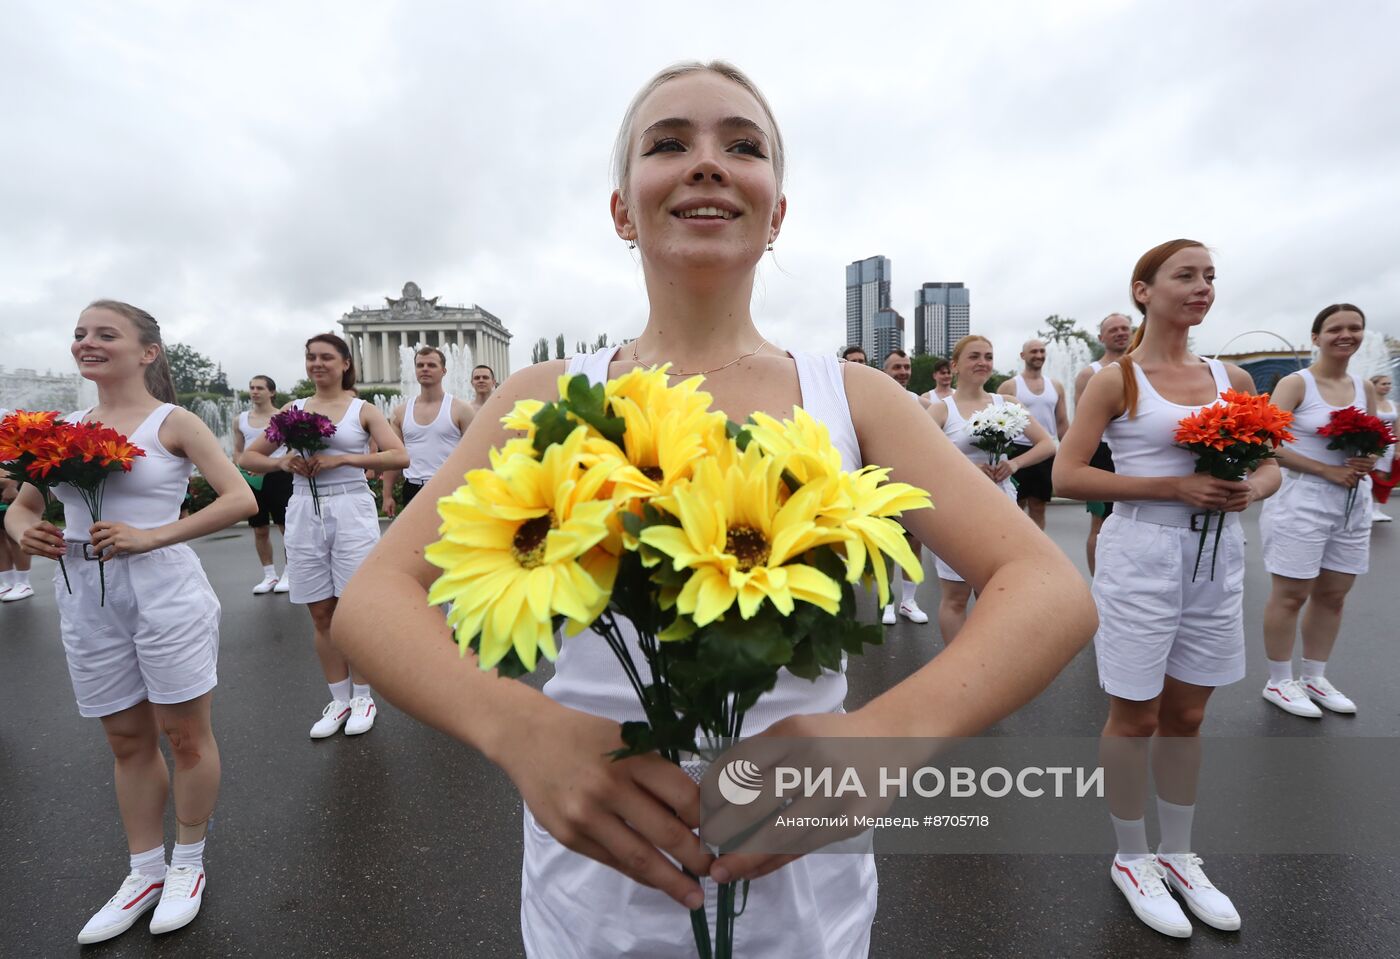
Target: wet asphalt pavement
(403, 843)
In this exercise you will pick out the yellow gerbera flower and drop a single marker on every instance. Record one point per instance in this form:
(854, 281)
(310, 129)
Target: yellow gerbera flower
(669, 428)
(803, 440)
(862, 505)
(738, 532)
(518, 548)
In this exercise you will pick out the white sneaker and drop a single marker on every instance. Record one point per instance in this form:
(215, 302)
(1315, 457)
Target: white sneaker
(266, 586)
(4, 588)
(362, 713)
(1186, 877)
(1378, 517)
(138, 895)
(16, 593)
(1323, 693)
(1290, 697)
(887, 617)
(180, 900)
(912, 612)
(1140, 881)
(332, 718)
(284, 585)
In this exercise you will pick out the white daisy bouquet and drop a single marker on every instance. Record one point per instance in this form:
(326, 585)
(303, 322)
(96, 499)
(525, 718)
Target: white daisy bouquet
(729, 551)
(995, 429)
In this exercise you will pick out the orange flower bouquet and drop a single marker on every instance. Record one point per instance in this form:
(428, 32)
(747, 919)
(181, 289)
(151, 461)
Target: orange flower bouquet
(1230, 438)
(40, 449)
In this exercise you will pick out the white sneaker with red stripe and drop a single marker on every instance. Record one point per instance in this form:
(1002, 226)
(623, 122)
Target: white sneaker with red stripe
(335, 714)
(1188, 880)
(1290, 697)
(362, 713)
(910, 610)
(1322, 692)
(1141, 882)
(180, 899)
(138, 894)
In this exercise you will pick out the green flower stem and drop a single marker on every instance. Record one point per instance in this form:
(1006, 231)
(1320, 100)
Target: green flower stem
(63, 567)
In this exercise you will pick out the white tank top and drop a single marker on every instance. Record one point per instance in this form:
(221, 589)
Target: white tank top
(587, 675)
(147, 497)
(251, 433)
(1145, 444)
(958, 429)
(1041, 406)
(1315, 412)
(1387, 460)
(349, 437)
(429, 446)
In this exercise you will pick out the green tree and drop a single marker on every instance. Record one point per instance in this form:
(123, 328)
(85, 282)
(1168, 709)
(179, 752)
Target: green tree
(921, 379)
(1062, 329)
(303, 388)
(191, 370)
(540, 351)
(559, 347)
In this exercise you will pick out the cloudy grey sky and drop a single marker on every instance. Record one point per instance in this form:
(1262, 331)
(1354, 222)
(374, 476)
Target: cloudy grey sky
(249, 172)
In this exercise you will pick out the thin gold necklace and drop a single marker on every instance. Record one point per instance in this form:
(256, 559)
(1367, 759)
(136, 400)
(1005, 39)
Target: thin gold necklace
(703, 372)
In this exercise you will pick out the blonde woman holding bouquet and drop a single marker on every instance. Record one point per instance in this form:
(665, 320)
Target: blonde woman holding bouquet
(1316, 539)
(144, 660)
(1167, 637)
(332, 519)
(699, 174)
(972, 362)
(1383, 476)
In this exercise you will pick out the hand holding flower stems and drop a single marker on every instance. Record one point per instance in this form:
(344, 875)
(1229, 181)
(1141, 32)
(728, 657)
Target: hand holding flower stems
(305, 434)
(1230, 438)
(729, 550)
(995, 429)
(1364, 438)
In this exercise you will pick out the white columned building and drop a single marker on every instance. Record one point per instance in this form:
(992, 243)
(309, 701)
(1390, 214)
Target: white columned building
(375, 335)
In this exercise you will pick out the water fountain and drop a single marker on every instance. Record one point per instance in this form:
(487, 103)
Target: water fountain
(221, 416)
(1063, 361)
(26, 389)
(1372, 358)
(458, 380)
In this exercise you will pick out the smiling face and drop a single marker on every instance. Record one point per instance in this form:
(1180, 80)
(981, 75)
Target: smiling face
(1033, 354)
(1341, 334)
(1383, 384)
(1115, 333)
(107, 347)
(483, 382)
(1183, 289)
(973, 364)
(701, 188)
(899, 368)
(324, 365)
(943, 377)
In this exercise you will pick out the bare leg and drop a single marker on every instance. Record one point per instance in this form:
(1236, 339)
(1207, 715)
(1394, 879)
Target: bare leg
(262, 542)
(1036, 509)
(141, 777)
(1123, 754)
(952, 608)
(1091, 547)
(1281, 616)
(334, 666)
(1176, 750)
(1323, 616)
(197, 767)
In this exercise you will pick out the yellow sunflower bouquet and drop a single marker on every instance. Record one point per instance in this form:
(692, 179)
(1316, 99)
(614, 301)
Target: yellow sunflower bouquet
(709, 555)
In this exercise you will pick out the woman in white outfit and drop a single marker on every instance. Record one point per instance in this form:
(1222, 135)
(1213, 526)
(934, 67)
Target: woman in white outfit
(699, 191)
(1168, 636)
(144, 662)
(972, 361)
(1383, 476)
(325, 548)
(1313, 548)
(273, 491)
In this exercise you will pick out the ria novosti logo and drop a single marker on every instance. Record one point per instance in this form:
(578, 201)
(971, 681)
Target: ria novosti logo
(740, 782)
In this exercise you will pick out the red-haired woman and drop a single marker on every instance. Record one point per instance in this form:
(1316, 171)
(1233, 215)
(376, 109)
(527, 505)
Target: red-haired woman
(1166, 638)
(144, 660)
(325, 548)
(1314, 548)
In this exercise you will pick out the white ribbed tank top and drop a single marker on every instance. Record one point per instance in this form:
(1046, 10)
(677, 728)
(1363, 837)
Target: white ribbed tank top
(587, 675)
(1314, 413)
(349, 437)
(1387, 461)
(1041, 406)
(429, 446)
(1145, 445)
(147, 497)
(251, 433)
(957, 429)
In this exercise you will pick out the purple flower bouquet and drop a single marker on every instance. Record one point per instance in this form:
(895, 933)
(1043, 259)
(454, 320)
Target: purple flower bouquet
(304, 434)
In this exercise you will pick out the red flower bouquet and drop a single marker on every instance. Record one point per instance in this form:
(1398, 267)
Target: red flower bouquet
(1229, 438)
(32, 444)
(1357, 433)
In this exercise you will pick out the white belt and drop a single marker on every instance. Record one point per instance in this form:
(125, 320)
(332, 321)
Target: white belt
(1174, 515)
(334, 489)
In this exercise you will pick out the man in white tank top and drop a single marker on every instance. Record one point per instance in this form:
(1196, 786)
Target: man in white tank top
(430, 425)
(1116, 335)
(1044, 399)
(483, 385)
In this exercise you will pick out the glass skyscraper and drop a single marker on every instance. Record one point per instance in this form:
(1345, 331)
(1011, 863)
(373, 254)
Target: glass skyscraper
(942, 316)
(867, 293)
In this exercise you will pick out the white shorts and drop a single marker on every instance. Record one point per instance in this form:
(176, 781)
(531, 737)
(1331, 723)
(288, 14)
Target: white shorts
(1305, 528)
(324, 552)
(947, 572)
(821, 906)
(156, 638)
(1153, 620)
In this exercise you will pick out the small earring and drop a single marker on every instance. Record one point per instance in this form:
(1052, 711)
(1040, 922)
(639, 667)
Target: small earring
(631, 244)
(770, 248)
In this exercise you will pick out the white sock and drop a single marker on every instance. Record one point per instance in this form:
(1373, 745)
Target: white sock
(340, 690)
(188, 854)
(269, 571)
(1280, 672)
(20, 577)
(1314, 669)
(7, 578)
(361, 691)
(1132, 838)
(909, 590)
(150, 863)
(1176, 826)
